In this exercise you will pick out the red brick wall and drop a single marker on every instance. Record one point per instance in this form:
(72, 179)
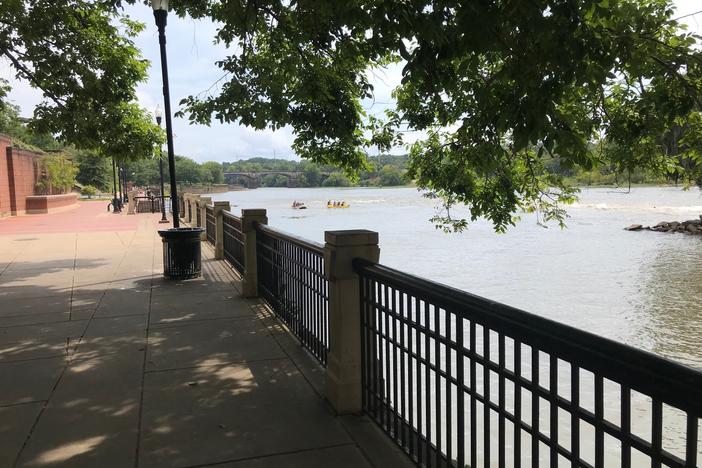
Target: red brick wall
(25, 170)
(50, 203)
(5, 143)
(18, 177)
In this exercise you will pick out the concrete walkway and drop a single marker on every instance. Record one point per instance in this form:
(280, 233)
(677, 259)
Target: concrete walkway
(103, 363)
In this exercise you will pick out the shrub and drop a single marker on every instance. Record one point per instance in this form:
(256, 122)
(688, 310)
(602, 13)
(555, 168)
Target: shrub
(89, 191)
(58, 174)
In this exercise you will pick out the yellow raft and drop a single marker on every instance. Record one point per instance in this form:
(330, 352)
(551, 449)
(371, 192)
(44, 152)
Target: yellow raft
(342, 205)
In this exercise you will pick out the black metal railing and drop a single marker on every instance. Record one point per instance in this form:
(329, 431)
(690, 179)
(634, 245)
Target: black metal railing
(291, 281)
(233, 241)
(458, 380)
(210, 225)
(198, 215)
(190, 211)
(181, 206)
(151, 204)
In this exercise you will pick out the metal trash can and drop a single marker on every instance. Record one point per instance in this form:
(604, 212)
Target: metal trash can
(182, 256)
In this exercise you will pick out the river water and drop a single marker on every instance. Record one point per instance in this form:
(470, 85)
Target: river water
(641, 288)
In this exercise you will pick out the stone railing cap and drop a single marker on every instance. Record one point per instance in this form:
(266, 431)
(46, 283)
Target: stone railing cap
(351, 237)
(253, 212)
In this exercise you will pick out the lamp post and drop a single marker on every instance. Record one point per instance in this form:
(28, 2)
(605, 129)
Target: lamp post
(119, 186)
(116, 209)
(160, 171)
(160, 13)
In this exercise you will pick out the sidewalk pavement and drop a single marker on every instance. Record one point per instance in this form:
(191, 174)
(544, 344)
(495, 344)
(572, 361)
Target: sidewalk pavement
(104, 363)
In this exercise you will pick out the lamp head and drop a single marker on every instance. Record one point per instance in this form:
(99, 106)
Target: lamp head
(159, 5)
(158, 114)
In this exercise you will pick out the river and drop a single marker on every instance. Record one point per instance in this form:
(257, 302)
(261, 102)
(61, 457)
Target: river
(640, 288)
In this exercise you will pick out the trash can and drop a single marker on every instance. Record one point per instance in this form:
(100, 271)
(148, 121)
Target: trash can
(181, 252)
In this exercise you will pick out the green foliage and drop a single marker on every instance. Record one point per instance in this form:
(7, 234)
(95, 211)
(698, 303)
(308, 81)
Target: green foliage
(336, 179)
(390, 175)
(494, 87)
(187, 171)
(58, 174)
(93, 169)
(89, 191)
(211, 172)
(80, 55)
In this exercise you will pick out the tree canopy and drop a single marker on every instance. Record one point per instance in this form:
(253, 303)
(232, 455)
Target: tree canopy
(493, 87)
(80, 55)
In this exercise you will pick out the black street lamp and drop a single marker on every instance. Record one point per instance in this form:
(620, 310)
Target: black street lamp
(119, 185)
(116, 209)
(160, 13)
(160, 171)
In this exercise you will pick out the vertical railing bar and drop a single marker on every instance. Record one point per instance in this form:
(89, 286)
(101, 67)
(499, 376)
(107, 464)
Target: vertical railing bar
(437, 380)
(656, 432)
(575, 420)
(418, 345)
(375, 349)
(449, 368)
(362, 290)
(535, 407)
(626, 426)
(427, 383)
(692, 435)
(517, 404)
(406, 415)
(410, 376)
(460, 395)
(599, 421)
(396, 404)
(473, 409)
(501, 401)
(553, 407)
(388, 415)
(486, 395)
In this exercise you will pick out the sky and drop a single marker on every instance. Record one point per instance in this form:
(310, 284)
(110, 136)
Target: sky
(191, 57)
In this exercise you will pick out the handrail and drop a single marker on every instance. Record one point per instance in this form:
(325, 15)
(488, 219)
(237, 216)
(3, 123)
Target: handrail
(228, 214)
(672, 382)
(278, 234)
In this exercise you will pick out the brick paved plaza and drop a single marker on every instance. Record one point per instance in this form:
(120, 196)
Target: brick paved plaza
(104, 363)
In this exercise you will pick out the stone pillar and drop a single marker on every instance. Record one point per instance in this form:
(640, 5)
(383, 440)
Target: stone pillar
(248, 219)
(343, 376)
(219, 207)
(202, 206)
(188, 207)
(131, 207)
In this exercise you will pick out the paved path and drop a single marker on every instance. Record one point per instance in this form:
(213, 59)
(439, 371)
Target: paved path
(104, 363)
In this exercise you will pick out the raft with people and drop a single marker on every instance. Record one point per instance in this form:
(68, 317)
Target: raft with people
(296, 205)
(337, 204)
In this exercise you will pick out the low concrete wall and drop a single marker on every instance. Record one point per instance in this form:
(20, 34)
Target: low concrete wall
(41, 204)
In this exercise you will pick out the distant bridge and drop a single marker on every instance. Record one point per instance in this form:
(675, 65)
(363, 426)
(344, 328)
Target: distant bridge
(253, 179)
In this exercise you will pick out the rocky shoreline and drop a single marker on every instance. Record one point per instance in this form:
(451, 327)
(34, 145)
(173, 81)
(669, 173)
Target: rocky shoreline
(690, 227)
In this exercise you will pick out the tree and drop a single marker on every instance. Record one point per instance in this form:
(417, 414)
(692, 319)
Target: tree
(390, 175)
(58, 174)
(211, 172)
(93, 169)
(188, 171)
(494, 87)
(336, 179)
(80, 55)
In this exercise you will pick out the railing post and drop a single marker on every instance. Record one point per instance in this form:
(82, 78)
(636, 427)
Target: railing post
(189, 208)
(248, 219)
(202, 206)
(219, 207)
(343, 376)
